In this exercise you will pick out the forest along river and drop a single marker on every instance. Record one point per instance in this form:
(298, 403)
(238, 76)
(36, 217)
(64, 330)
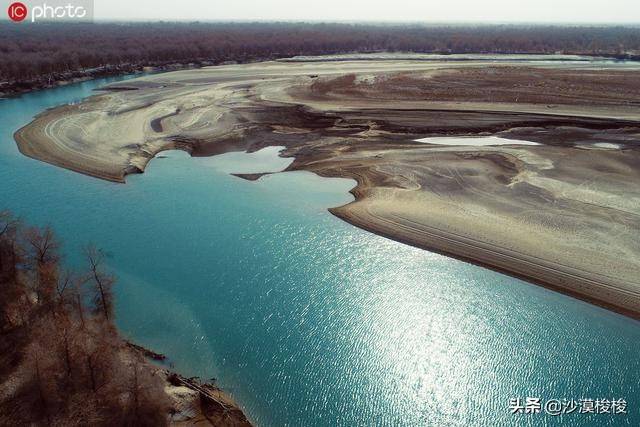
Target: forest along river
(303, 318)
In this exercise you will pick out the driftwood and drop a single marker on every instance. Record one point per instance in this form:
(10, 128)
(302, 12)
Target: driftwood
(146, 352)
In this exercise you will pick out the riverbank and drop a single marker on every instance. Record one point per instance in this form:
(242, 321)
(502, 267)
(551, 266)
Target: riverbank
(192, 401)
(546, 213)
(18, 87)
(63, 359)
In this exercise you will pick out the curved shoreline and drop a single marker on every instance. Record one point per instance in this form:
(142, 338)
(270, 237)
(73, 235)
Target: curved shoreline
(553, 276)
(504, 207)
(58, 155)
(439, 242)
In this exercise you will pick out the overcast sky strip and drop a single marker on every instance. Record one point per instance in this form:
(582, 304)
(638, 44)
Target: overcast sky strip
(489, 11)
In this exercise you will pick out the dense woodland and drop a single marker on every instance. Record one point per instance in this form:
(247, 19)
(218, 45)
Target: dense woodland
(48, 50)
(62, 362)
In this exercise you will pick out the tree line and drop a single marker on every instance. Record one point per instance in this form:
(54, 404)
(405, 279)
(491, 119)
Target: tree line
(40, 50)
(62, 361)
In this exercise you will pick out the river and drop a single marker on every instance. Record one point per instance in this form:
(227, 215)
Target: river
(304, 319)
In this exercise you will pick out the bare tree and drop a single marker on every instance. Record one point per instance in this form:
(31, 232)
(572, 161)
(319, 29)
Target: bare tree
(76, 297)
(43, 255)
(147, 403)
(103, 296)
(7, 223)
(43, 244)
(64, 360)
(9, 226)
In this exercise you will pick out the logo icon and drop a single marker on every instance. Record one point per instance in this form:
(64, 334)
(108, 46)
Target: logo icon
(17, 11)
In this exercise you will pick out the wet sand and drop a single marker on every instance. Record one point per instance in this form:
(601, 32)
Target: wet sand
(555, 214)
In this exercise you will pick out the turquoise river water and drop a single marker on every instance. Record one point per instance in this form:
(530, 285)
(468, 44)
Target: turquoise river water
(306, 320)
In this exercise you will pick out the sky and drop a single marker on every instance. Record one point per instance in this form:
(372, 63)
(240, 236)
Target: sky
(488, 11)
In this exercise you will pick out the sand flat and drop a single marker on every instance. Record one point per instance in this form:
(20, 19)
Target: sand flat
(538, 207)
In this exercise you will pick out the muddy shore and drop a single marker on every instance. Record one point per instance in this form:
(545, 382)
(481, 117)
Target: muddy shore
(561, 214)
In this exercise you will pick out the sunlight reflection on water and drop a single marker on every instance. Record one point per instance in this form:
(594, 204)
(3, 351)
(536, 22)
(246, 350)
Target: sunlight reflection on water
(305, 319)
